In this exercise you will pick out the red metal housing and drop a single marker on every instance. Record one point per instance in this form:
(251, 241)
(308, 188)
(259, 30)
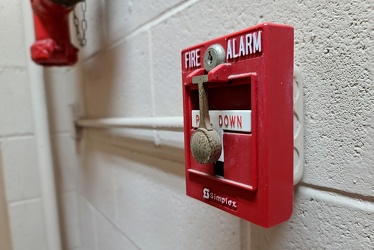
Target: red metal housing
(52, 46)
(256, 183)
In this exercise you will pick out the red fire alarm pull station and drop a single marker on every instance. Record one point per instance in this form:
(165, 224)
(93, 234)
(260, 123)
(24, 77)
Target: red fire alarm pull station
(238, 123)
(52, 46)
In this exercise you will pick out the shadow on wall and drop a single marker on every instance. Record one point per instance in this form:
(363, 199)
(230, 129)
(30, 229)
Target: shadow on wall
(99, 84)
(97, 67)
(5, 233)
(98, 149)
(64, 87)
(117, 81)
(275, 237)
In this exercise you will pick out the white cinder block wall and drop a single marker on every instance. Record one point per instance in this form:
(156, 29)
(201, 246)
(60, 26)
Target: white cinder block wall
(124, 189)
(17, 140)
(18, 144)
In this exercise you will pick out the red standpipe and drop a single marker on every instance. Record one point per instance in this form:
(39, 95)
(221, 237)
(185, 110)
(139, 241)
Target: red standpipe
(52, 46)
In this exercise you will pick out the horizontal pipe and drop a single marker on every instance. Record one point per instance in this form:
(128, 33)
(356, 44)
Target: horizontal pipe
(173, 123)
(160, 123)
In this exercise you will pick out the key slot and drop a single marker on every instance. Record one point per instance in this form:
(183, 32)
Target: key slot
(219, 169)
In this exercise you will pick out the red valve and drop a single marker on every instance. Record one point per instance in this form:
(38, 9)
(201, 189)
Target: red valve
(52, 46)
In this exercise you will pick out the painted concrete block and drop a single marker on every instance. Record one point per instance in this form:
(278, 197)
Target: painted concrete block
(151, 192)
(334, 54)
(27, 225)
(320, 220)
(96, 180)
(334, 58)
(70, 222)
(96, 33)
(123, 17)
(65, 155)
(63, 89)
(21, 170)
(87, 224)
(191, 26)
(110, 237)
(15, 103)
(139, 198)
(117, 82)
(11, 31)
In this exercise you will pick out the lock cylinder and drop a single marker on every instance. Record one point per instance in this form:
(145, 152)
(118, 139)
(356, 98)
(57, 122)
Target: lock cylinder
(214, 56)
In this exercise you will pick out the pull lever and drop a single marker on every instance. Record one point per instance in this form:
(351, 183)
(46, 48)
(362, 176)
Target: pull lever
(205, 142)
(206, 145)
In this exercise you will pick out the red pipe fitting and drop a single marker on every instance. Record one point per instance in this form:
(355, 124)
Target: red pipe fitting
(52, 46)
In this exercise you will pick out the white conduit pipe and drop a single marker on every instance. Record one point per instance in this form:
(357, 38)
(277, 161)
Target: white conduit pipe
(42, 138)
(158, 123)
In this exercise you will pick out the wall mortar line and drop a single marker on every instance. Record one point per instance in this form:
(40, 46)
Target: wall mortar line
(351, 195)
(143, 28)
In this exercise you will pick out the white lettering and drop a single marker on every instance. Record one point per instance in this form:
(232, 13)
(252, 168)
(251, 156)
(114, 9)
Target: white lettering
(241, 47)
(229, 53)
(186, 59)
(206, 193)
(234, 204)
(233, 48)
(219, 199)
(192, 59)
(197, 58)
(248, 44)
(257, 44)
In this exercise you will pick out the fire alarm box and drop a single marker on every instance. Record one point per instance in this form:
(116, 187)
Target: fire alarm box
(238, 123)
